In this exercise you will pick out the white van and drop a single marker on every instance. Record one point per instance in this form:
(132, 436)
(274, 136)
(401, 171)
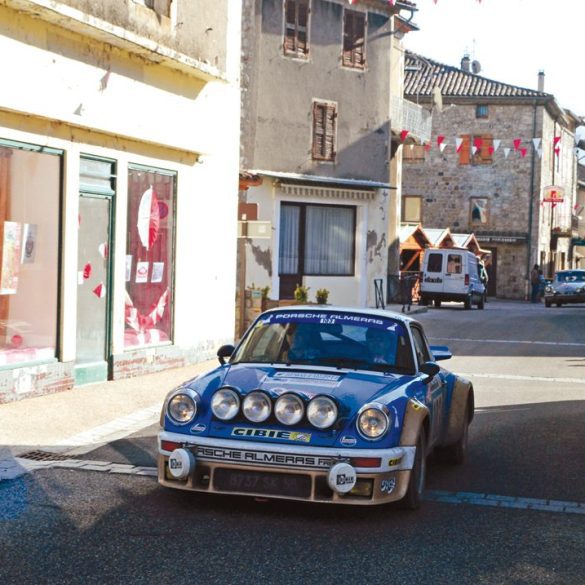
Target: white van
(451, 274)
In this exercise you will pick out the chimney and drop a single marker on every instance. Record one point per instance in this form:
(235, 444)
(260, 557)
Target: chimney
(541, 80)
(465, 63)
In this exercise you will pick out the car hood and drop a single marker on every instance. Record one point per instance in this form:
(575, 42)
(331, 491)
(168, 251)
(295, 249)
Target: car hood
(351, 388)
(567, 287)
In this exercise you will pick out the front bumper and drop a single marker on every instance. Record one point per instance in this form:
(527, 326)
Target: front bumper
(564, 298)
(285, 471)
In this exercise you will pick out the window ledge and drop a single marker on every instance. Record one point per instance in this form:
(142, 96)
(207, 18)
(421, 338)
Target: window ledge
(101, 30)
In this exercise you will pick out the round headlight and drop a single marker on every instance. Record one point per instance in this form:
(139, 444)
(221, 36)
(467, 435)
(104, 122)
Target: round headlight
(548, 289)
(225, 404)
(289, 409)
(372, 422)
(257, 407)
(182, 408)
(322, 412)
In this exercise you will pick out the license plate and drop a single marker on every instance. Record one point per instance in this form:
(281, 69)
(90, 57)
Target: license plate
(260, 482)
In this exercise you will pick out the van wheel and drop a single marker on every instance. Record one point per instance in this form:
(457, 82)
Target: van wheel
(467, 303)
(437, 304)
(424, 301)
(547, 304)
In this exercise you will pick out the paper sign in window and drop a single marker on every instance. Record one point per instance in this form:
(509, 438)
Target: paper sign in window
(158, 269)
(141, 272)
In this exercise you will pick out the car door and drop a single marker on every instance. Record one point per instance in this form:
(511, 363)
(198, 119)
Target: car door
(433, 272)
(454, 276)
(436, 388)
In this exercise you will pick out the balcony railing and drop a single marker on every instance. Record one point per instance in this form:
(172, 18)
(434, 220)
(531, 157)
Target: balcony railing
(566, 226)
(409, 116)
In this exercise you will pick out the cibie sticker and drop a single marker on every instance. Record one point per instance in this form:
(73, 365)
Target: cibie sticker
(348, 440)
(342, 478)
(387, 485)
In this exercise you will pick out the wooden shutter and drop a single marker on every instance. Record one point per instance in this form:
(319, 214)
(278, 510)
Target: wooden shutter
(485, 156)
(354, 39)
(296, 27)
(324, 125)
(465, 152)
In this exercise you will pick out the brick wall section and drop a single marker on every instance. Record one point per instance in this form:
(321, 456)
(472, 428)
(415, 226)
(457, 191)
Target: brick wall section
(31, 381)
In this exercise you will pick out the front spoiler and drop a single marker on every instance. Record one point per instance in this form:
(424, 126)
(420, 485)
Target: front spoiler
(389, 481)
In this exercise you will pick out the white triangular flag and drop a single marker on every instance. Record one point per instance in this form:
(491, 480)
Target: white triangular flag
(506, 152)
(497, 144)
(539, 152)
(473, 150)
(458, 143)
(442, 146)
(536, 142)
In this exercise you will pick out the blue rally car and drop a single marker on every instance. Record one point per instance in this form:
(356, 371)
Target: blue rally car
(323, 404)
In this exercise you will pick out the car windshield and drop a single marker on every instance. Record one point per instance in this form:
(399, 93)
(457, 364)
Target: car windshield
(327, 338)
(572, 276)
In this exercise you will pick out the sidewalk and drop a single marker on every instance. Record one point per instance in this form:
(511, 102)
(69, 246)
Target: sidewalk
(79, 420)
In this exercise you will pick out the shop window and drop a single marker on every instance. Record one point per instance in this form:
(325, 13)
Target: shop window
(317, 240)
(149, 257)
(411, 209)
(354, 39)
(324, 131)
(479, 211)
(30, 183)
(296, 28)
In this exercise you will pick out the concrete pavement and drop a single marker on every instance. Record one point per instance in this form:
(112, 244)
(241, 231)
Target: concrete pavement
(80, 420)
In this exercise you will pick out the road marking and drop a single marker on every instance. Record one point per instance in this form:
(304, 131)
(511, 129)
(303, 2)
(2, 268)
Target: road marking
(22, 466)
(511, 341)
(495, 501)
(529, 378)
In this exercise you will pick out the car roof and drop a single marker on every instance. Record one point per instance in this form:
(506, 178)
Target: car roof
(384, 313)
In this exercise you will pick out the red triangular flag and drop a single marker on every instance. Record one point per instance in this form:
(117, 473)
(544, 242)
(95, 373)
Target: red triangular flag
(556, 140)
(440, 140)
(491, 149)
(403, 135)
(517, 143)
(99, 291)
(477, 142)
(522, 152)
(87, 271)
(557, 151)
(428, 146)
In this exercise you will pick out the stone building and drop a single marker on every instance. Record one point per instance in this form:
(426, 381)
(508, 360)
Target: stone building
(317, 145)
(119, 147)
(500, 164)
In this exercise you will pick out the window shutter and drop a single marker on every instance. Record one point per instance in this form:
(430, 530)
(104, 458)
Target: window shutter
(324, 124)
(354, 33)
(486, 144)
(302, 27)
(464, 153)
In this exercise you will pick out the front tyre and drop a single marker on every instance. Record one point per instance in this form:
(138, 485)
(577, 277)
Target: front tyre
(416, 484)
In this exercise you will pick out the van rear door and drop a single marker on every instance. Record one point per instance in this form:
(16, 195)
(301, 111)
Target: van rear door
(433, 273)
(455, 274)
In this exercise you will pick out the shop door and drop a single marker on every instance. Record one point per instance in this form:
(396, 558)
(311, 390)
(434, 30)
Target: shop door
(93, 290)
(492, 271)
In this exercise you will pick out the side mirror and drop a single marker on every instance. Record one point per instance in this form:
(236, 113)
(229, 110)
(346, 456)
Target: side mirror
(430, 369)
(225, 351)
(441, 352)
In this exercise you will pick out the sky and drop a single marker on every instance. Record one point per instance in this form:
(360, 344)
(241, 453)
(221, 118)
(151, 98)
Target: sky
(512, 40)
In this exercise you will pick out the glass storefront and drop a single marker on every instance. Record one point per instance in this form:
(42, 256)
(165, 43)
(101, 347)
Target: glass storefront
(149, 257)
(30, 183)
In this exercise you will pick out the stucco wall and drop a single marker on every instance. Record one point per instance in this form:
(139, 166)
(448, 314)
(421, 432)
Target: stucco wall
(277, 123)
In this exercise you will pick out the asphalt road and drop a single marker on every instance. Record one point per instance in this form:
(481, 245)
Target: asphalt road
(508, 516)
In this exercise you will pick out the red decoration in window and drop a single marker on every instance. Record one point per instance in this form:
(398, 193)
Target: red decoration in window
(556, 140)
(87, 271)
(148, 218)
(403, 135)
(100, 291)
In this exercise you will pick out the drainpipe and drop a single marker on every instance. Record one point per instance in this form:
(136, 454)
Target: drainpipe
(531, 204)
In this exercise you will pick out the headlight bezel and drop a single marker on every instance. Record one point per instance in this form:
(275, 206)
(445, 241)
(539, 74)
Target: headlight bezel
(314, 401)
(385, 417)
(191, 395)
(264, 396)
(238, 401)
(295, 398)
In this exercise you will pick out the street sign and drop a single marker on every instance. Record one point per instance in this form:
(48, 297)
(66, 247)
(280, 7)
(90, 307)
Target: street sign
(553, 194)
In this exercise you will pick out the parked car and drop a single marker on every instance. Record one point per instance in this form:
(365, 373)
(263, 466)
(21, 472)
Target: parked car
(568, 286)
(335, 405)
(451, 274)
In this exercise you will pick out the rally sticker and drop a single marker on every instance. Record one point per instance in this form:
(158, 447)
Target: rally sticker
(272, 434)
(387, 486)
